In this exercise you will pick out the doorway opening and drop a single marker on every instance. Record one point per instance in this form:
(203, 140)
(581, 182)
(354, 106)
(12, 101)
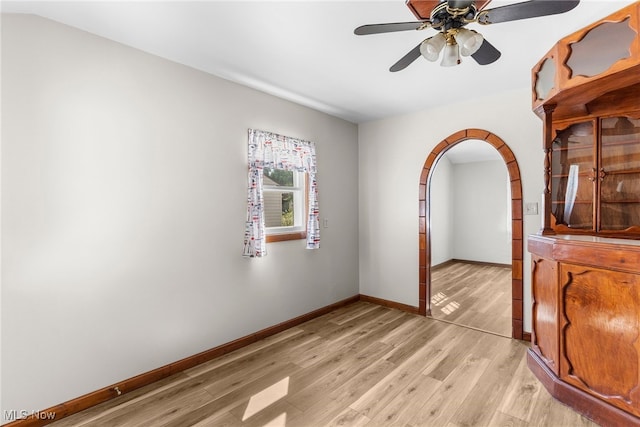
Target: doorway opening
(470, 218)
(425, 295)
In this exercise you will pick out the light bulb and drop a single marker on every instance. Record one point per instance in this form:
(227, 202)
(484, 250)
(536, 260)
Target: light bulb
(469, 41)
(451, 56)
(431, 47)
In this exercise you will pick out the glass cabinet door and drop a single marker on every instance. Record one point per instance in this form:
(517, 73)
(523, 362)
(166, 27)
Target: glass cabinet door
(619, 173)
(572, 176)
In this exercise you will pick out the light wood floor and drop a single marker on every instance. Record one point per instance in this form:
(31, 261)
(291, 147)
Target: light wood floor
(473, 295)
(360, 365)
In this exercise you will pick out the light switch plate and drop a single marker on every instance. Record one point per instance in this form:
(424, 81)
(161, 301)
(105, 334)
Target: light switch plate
(531, 208)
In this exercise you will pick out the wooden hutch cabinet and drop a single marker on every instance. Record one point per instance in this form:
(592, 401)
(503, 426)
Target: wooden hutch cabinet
(585, 279)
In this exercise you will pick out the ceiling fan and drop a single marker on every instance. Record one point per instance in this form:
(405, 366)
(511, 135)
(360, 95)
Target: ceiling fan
(449, 18)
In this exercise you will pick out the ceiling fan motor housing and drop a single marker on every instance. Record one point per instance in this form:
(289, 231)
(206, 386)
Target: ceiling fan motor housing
(445, 18)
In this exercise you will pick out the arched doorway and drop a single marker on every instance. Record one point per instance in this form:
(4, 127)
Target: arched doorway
(424, 307)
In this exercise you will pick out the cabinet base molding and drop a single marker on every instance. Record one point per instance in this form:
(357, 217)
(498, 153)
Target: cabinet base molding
(584, 403)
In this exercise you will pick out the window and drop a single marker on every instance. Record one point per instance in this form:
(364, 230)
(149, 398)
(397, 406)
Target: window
(290, 168)
(284, 204)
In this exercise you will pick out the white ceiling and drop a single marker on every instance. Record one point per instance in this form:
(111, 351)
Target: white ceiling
(305, 51)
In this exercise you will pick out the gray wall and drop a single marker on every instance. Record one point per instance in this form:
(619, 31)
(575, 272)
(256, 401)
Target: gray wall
(470, 204)
(482, 204)
(123, 206)
(442, 209)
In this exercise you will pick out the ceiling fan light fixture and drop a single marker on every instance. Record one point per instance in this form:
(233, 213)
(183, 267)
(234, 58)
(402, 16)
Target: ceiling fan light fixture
(431, 47)
(469, 41)
(449, 17)
(451, 55)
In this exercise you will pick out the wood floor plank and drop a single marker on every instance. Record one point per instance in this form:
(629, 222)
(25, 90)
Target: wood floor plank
(88, 416)
(339, 337)
(404, 332)
(350, 315)
(337, 332)
(439, 410)
(487, 395)
(549, 412)
(398, 412)
(335, 336)
(266, 415)
(358, 384)
(242, 352)
(349, 418)
(356, 346)
(323, 408)
(359, 365)
(384, 391)
(232, 365)
(306, 392)
(424, 335)
(232, 399)
(234, 375)
(521, 393)
(474, 295)
(153, 407)
(224, 419)
(504, 420)
(451, 354)
(151, 416)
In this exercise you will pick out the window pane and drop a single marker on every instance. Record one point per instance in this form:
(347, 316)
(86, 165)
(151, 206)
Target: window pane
(572, 176)
(278, 209)
(278, 177)
(620, 185)
(620, 138)
(287, 210)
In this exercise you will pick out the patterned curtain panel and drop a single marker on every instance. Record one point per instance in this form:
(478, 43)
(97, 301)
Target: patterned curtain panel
(270, 150)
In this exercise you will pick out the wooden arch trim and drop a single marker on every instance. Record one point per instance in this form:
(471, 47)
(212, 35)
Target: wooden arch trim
(424, 307)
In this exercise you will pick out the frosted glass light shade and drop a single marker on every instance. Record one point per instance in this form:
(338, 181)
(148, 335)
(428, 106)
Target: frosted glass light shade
(469, 41)
(451, 56)
(431, 47)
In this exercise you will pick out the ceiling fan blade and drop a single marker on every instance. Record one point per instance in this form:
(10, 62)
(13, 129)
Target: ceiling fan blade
(406, 60)
(390, 27)
(486, 54)
(525, 10)
(481, 4)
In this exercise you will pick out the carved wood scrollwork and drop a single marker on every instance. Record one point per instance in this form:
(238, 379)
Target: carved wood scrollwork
(599, 312)
(547, 143)
(544, 309)
(547, 170)
(569, 370)
(534, 305)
